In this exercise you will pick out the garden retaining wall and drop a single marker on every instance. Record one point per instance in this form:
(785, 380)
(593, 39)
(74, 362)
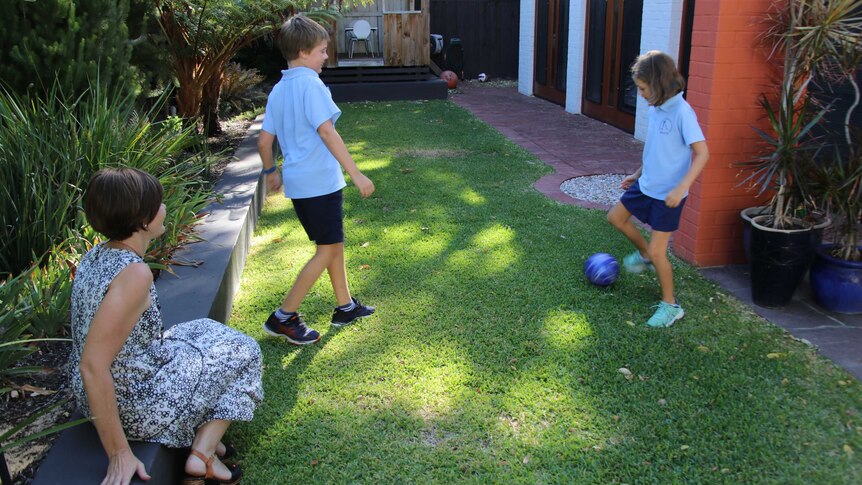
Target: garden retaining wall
(205, 288)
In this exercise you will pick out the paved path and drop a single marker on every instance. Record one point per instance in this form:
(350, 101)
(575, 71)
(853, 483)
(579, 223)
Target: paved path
(575, 145)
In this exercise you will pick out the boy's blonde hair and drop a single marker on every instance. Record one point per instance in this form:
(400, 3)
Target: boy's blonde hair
(298, 34)
(658, 71)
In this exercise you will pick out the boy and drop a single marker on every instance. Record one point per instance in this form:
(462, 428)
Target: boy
(300, 113)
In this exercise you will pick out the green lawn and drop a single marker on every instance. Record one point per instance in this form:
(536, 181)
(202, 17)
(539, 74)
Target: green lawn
(491, 360)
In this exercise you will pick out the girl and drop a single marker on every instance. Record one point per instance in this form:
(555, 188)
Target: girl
(656, 193)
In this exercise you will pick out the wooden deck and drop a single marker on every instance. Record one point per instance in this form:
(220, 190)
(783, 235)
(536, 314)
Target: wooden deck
(375, 83)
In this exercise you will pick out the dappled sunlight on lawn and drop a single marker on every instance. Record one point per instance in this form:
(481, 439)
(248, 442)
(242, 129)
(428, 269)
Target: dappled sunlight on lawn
(490, 252)
(471, 197)
(369, 165)
(567, 331)
(423, 241)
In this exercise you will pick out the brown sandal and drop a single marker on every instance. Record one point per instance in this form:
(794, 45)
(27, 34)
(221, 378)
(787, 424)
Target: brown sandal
(209, 478)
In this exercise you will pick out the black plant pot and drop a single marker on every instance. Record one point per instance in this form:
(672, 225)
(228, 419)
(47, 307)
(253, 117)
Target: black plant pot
(779, 260)
(747, 214)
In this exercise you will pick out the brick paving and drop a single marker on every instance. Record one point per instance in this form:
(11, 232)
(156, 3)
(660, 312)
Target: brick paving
(575, 146)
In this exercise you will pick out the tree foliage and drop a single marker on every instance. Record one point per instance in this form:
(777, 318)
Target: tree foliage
(73, 40)
(204, 35)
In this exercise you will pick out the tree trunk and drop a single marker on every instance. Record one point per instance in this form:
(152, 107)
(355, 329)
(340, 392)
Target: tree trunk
(209, 106)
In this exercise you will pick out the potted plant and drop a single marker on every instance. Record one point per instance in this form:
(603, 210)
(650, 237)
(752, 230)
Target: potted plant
(836, 275)
(782, 241)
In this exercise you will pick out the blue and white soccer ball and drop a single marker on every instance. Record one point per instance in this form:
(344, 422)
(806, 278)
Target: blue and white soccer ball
(602, 269)
(482, 77)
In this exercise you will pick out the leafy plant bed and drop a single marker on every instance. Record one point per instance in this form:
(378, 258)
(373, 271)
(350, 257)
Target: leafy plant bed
(233, 132)
(32, 394)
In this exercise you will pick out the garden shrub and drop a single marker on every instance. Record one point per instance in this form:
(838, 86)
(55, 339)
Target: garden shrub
(241, 90)
(50, 147)
(75, 41)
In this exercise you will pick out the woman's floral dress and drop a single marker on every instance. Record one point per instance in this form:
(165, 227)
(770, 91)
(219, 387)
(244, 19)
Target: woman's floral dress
(168, 383)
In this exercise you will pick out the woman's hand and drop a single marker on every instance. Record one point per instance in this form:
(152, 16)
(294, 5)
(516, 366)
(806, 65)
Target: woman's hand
(122, 466)
(629, 180)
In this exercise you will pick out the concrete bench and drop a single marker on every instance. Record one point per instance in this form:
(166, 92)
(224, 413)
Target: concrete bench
(77, 456)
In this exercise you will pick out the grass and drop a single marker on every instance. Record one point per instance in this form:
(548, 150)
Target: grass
(491, 360)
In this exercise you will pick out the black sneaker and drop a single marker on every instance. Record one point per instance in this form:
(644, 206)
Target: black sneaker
(293, 330)
(341, 318)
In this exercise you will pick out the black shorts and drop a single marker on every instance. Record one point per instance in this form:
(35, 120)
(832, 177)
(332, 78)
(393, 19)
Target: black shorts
(321, 217)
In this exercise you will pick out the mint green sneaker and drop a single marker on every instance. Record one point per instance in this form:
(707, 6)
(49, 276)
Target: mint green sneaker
(665, 315)
(635, 263)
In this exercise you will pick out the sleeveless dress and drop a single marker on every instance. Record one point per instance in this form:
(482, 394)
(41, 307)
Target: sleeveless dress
(168, 383)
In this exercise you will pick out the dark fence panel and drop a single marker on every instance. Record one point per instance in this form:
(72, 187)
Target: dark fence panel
(488, 30)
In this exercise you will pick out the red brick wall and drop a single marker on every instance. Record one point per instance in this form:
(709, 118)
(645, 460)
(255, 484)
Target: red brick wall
(727, 73)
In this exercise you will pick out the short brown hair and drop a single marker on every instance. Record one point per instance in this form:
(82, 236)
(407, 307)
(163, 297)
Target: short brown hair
(121, 201)
(298, 34)
(658, 71)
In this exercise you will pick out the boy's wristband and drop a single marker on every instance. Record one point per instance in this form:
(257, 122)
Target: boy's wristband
(269, 170)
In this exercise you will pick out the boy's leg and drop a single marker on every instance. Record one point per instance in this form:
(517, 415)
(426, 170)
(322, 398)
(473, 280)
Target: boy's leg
(349, 309)
(338, 277)
(620, 218)
(310, 273)
(657, 251)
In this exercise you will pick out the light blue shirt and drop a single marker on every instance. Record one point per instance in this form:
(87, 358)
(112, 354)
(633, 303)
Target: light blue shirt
(672, 130)
(295, 109)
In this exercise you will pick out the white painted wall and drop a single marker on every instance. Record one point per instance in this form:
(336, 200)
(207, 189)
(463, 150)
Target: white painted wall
(526, 47)
(577, 52)
(660, 30)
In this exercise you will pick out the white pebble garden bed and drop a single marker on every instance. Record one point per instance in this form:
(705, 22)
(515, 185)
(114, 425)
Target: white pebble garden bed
(601, 189)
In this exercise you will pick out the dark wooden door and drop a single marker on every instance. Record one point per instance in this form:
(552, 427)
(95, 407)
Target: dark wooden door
(613, 43)
(552, 40)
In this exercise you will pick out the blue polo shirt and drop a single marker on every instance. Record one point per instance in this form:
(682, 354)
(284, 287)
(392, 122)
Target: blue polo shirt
(295, 109)
(672, 130)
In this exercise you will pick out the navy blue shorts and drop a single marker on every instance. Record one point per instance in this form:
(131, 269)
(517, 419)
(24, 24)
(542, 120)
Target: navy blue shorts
(321, 217)
(651, 211)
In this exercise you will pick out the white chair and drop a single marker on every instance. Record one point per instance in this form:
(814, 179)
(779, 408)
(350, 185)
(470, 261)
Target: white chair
(361, 32)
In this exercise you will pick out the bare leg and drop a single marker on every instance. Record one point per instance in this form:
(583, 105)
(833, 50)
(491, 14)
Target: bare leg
(658, 255)
(308, 276)
(620, 218)
(338, 276)
(206, 440)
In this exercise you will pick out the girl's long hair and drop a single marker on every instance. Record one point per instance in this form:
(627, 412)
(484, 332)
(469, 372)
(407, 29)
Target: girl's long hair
(658, 71)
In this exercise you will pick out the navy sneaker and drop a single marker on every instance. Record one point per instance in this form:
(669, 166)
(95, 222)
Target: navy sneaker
(293, 330)
(341, 318)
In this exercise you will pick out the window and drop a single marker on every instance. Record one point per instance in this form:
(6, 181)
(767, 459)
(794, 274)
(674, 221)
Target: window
(391, 6)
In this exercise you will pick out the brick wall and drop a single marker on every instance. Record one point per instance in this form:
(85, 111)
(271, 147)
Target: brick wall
(728, 71)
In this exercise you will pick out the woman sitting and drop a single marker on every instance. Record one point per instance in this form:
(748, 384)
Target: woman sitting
(180, 387)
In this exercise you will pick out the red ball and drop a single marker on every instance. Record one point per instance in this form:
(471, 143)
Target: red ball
(451, 79)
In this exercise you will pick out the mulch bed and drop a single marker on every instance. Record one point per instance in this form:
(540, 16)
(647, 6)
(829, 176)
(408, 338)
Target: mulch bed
(36, 392)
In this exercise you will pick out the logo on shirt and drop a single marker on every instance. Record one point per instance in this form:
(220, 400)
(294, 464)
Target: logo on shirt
(665, 127)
